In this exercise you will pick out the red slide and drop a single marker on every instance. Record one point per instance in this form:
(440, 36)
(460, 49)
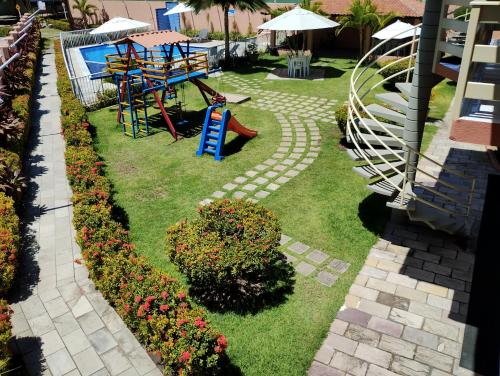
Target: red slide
(235, 126)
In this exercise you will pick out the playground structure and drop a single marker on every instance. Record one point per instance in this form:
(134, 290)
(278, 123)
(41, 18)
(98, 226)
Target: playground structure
(214, 131)
(155, 63)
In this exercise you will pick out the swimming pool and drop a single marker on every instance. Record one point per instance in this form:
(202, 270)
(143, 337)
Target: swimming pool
(95, 56)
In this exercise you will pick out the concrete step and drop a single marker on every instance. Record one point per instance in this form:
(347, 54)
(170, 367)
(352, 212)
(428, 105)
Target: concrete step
(361, 155)
(404, 88)
(407, 203)
(387, 169)
(377, 126)
(395, 100)
(386, 113)
(383, 187)
(438, 220)
(375, 140)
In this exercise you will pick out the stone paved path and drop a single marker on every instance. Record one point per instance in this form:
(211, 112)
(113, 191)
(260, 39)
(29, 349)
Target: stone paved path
(405, 314)
(300, 146)
(61, 324)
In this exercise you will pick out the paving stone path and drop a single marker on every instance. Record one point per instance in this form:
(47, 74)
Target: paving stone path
(405, 314)
(300, 146)
(61, 324)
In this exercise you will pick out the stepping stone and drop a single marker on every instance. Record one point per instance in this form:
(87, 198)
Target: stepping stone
(249, 187)
(312, 154)
(299, 150)
(292, 173)
(326, 278)
(282, 180)
(271, 174)
(262, 194)
(273, 187)
(239, 194)
(299, 248)
(317, 256)
(284, 239)
(315, 148)
(308, 160)
(289, 258)
(280, 168)
(270, 162)
(261, 167)
(218, 194)
(305, 269)
(282, 150)
(339, 265)
(251, 173)
(260, 180)
(278, 155)
(240, 180)
(205, 202)
(295, 155)
(289, 162)
(300, 144)
(301, 166)
(229, 186)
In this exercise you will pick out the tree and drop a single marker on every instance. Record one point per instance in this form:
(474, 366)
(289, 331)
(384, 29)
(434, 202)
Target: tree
(364, 17)
(69, 14)
(86, 10)
(251, 5)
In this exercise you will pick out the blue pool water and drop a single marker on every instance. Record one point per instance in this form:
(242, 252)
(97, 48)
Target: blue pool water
(95, 56)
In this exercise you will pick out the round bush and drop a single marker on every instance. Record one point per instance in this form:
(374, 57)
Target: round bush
(230, 253)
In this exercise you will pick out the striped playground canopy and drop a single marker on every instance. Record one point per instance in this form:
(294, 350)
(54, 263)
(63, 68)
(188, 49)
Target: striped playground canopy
(155, 38)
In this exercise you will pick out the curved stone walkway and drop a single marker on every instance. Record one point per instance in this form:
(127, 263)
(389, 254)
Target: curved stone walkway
(61, 324)
(300, 146)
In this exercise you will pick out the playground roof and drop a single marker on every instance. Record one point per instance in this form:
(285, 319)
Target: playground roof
(154, 38)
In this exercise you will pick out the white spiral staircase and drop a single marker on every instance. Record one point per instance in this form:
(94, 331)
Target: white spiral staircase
(437, 195)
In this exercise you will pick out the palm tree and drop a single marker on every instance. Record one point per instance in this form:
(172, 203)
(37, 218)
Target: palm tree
(251, 5)
(363, 16)
(86, 10)
(69, 14)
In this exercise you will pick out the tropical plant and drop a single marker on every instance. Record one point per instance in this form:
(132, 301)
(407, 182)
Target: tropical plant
(86, 10)
(12, 183)
(250, 5)
(363, 17)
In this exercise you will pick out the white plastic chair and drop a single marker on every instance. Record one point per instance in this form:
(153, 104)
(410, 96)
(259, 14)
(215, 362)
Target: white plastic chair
(297, 65)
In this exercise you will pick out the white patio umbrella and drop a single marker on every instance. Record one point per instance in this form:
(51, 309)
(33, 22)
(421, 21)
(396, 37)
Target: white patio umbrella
(298, 19)
(118, 24)
(180, 8)
(397, 30)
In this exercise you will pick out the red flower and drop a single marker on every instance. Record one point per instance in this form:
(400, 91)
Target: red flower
(140, 312)
(99, 163)
(164, 294)
(218, 349)
(222, 341)
(199, 322)
(137, 299)
(181, 322)
(185, 357)
(140, 278)
(149, 299)
(126, 307)
(149, 318)
(181, 296)
(164, 307)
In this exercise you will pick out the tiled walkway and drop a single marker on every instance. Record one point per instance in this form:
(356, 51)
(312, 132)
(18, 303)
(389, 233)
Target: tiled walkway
(61, 324)
(406, 312)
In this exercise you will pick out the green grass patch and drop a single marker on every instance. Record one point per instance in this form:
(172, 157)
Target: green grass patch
(158, 182)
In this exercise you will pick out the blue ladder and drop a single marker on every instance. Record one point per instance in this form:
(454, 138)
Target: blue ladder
(213, 135)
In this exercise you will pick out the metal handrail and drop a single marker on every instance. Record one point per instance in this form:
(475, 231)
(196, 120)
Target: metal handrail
(356, 106)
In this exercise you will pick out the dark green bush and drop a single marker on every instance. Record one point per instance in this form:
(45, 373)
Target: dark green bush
(341, 115)
(395, 68)
(62, 25)
(230, 254)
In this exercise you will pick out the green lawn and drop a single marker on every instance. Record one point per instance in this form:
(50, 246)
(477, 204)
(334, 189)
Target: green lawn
(158, 182)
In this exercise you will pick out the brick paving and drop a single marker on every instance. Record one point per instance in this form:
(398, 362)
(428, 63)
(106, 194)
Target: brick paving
(61, 324)
(405, 314)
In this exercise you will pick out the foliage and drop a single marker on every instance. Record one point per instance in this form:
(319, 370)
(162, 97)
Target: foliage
(9, 242)
(461, 13)
(62, 25)
(86, 10)
(5, 334)
(230, 254)
(4, 30)
(363, 16)
(104, 99)
(341, 117)
(152, 304)
(392, 68)
(250, 5)
(12, 183)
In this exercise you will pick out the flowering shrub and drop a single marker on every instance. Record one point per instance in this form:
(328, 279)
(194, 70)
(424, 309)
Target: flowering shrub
(341, 115)
(5, 333)
(9, 239)
(153, 305)
(230, 254)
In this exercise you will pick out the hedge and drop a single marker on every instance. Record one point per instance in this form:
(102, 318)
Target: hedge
(62, 25)
(394, 69)
(16, 110)
(153, 305)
